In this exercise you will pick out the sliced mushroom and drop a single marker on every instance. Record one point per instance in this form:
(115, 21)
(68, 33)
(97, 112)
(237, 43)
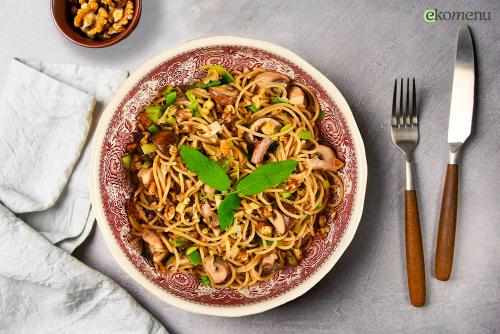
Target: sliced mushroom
(260, 150)
(223, 95)
(262, 145)
(265, 78)
(296, 96)
(257, 125)
(216, 269)
(207, 212)
(143, 120)
(159, 256)
(153, 240)
(268, 264)
(278, 222)
(146, 176)
(163, 139)
(289, 221)
(312, 98)
(327, 160)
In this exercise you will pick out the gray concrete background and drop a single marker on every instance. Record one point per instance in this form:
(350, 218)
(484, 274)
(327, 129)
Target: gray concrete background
(361, 46)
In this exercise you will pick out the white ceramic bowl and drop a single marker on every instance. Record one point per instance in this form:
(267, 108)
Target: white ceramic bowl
(110, 188)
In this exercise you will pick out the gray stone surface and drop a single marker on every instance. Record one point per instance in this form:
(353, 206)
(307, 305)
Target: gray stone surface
(361, 46)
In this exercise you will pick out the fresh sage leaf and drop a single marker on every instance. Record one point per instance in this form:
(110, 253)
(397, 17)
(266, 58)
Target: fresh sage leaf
(225, 211)
(208, 171)
(265, 177)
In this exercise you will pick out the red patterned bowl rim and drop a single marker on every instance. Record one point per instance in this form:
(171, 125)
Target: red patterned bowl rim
(358, 197)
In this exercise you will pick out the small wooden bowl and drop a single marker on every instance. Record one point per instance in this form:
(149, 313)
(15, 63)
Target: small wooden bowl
(64, 21)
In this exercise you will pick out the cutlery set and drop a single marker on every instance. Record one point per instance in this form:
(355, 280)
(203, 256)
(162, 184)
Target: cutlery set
(404, 133)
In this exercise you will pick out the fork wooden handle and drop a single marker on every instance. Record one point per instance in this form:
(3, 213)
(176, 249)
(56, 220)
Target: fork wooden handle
(414, 250)
(447, 225)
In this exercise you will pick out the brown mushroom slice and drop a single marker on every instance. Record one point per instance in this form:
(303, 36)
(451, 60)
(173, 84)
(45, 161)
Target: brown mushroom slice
(268, 264)
(265, 78)
(296, 96)
(278, 222)
(260, 150)
(146, 176)
(216, 269)
(223, 95)
(163, 139)
(257, 125)
(153, 240)
(313, 99)
(143, 120)
(327, 161)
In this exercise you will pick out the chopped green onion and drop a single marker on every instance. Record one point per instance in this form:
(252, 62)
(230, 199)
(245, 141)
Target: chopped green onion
(319, 206)
(179, 241)
(167, 90)
(305, 134)
(276, 90)
(195, 258)
(170, 120)
(148, 148)
(154, 128)
(224, 74)
(225, 163)
(275, 100)
(196, 113)
(306, 218)
(127, 161)
(285, 194)
(205, 280)
(146, 164)
(212, 83)
(154, 113)
(170, 98)
(286, 128)
(321, 114)
(191, 250)
(194, 102)
(253, 108)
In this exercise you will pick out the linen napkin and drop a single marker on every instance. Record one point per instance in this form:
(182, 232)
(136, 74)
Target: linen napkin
(45, 117)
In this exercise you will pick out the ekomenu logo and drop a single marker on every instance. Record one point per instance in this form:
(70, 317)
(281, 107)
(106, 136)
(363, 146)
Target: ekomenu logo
(432, 15)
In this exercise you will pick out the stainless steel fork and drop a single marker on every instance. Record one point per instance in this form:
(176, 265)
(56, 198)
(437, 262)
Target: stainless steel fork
(404, 133)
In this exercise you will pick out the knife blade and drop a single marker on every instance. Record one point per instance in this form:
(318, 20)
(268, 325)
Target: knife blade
(459, 129)
(462, 96)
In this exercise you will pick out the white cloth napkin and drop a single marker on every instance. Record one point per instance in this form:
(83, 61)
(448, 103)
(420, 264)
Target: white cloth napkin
(45, 117)
(43, 289)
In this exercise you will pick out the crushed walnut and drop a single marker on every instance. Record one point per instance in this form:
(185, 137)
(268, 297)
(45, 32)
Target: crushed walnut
(102, 18)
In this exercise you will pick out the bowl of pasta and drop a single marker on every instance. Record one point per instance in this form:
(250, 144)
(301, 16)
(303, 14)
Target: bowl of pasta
(228, 176)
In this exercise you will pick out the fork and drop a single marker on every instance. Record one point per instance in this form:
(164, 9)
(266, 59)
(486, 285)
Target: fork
(404, 133)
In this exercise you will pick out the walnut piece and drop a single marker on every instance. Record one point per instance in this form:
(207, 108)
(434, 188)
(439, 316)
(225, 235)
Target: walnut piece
(102, 18)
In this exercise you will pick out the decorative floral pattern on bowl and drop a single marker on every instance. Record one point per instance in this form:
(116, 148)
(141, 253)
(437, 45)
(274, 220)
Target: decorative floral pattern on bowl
(112, 188)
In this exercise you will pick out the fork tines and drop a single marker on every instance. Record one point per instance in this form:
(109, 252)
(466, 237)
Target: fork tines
(404, 116)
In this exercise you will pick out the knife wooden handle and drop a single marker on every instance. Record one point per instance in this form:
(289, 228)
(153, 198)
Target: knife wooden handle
(414, 250)
(447, 225)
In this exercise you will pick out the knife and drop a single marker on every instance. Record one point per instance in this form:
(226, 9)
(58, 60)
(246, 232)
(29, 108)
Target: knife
(459, 129)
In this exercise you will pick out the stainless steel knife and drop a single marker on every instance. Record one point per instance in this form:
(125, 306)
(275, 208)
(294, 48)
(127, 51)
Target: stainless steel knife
(459, 129)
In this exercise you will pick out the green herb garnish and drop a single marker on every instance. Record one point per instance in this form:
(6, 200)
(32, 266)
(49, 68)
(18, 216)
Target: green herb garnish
(208, 171)
(253, 108)
(286, 194)
(275, 100)
(226, 209)
(127, 161)
(197, 113)
(305, 134)
(321, 114)
(265, 177)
